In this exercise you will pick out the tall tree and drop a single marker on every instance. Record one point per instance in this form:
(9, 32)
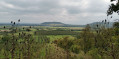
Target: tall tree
(86, 39)
(114, 7)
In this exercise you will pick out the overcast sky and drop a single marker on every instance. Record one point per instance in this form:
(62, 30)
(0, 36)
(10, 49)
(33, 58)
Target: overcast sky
(66, 11)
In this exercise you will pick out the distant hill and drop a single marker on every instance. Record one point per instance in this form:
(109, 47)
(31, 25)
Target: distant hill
(52, 23)
(59, 24)
(49, 24)
(94, 24)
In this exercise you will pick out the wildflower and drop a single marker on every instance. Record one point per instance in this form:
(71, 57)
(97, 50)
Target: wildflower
(105, 20)
(111, 16)
(19, 20)
(97, 25)
(14, 23)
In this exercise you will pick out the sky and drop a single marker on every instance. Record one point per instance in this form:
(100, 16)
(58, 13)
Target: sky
(66, 11)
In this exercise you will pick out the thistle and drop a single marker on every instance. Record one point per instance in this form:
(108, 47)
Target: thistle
(97, 26)
(14, 23)
(105, 21)
(111, 16)
(19, 20)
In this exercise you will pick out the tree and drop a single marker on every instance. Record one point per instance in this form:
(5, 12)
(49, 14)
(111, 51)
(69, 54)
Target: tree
(86, 39)
(113, 7)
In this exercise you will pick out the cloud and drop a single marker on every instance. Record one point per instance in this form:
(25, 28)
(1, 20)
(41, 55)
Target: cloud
(67, 11)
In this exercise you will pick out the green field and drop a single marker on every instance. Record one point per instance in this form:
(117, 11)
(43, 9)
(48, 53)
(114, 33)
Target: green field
(38, 42)
(47, 47)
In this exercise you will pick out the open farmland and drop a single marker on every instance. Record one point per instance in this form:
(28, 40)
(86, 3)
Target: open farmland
(44, 38)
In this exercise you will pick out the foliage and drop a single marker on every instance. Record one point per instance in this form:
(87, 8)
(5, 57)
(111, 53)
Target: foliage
(102, 42)
(86, 39)
(69, 44)
(113, 7)
(75, 48)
